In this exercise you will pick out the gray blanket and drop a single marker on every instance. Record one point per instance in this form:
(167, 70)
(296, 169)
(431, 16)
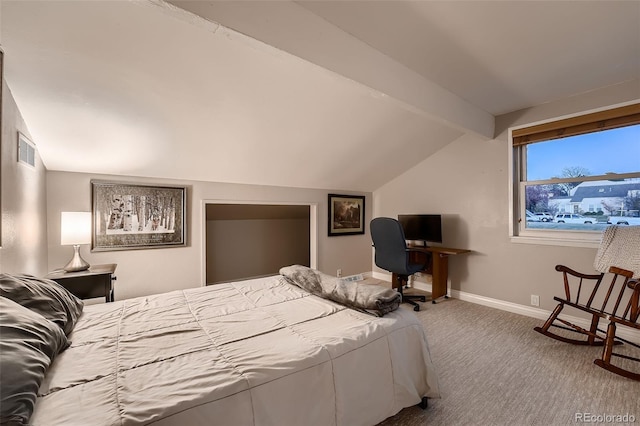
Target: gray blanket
(370, 298)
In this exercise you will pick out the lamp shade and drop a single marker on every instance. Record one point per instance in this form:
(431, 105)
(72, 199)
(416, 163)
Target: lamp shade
(75, 228)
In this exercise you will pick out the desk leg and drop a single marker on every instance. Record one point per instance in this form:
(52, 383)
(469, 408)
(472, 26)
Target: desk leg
(439, 277)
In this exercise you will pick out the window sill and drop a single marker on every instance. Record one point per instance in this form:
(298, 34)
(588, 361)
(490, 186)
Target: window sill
(550, 241)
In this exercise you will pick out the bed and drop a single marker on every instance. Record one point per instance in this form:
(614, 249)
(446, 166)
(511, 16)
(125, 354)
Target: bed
(254, 352)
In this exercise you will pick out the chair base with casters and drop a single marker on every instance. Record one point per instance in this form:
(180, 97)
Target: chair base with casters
(402, 280)
(617, 303)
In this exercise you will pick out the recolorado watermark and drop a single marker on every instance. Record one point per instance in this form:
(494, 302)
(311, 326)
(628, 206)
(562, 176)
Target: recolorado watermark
(604, 418)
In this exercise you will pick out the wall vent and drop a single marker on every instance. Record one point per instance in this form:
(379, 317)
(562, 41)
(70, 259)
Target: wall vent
(26, 151)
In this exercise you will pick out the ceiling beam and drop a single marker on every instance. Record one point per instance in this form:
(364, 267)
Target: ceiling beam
(290, 27)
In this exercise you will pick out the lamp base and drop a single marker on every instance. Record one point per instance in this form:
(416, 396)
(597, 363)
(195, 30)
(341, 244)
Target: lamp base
(77, 263)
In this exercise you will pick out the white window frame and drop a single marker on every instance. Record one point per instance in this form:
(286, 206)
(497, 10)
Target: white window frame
(518, 232)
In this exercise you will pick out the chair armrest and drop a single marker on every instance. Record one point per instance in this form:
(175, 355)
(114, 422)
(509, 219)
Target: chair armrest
(426, 255)
(562, 268)
(415, 250)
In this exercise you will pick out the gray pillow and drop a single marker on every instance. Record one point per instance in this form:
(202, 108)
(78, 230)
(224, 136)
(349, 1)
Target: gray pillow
(29, 344)
(43, 296)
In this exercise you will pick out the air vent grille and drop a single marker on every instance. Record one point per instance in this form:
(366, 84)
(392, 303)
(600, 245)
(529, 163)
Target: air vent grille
(26, 151)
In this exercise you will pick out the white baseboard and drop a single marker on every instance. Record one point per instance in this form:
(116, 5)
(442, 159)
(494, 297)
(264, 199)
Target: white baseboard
(529, 311)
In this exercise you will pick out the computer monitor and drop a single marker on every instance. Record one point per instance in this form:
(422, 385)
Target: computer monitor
(422, 227)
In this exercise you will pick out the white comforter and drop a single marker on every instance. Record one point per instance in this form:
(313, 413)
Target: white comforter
(259, 352)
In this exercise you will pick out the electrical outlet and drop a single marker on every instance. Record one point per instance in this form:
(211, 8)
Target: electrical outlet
(535, 300)
(339, 273)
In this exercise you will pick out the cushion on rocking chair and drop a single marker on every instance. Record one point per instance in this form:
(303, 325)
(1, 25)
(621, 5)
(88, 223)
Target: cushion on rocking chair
(620, 247)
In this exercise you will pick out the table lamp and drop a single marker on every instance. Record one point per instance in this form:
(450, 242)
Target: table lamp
(75, 229)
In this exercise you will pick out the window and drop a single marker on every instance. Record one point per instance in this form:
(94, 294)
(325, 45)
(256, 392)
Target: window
(583, 171)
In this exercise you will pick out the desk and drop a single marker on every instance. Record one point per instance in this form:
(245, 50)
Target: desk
(97, 281)
(437, 266)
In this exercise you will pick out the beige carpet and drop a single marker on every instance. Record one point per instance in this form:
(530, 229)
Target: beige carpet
(493, 369)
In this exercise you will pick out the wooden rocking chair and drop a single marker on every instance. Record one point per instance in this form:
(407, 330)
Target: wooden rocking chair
(617, 302)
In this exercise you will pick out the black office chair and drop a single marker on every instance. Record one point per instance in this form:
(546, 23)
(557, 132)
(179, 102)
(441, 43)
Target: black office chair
(392, 254)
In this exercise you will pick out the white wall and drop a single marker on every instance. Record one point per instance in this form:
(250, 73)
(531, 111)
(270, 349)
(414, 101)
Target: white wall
(24, 220)
(143, 272)
(468, 182)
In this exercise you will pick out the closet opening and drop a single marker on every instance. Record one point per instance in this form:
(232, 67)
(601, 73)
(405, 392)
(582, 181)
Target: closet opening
(250, 240)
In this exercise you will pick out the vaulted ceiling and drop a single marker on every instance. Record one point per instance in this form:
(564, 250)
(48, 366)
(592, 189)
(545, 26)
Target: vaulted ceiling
(318, 94)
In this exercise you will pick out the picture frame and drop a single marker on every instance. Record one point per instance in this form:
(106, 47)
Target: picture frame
(346, 215)
(127, 216)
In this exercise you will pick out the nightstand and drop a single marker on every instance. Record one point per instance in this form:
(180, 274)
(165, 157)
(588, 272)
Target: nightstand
(97, 281)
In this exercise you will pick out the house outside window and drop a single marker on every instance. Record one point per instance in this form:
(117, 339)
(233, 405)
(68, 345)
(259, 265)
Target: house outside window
(583, 172)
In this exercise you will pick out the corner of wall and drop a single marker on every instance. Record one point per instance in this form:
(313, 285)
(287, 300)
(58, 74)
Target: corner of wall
(24, 202)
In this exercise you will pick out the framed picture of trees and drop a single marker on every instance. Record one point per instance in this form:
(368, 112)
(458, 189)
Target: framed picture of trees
(129, 216)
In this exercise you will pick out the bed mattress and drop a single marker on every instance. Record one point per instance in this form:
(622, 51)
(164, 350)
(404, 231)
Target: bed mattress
(255, 352)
